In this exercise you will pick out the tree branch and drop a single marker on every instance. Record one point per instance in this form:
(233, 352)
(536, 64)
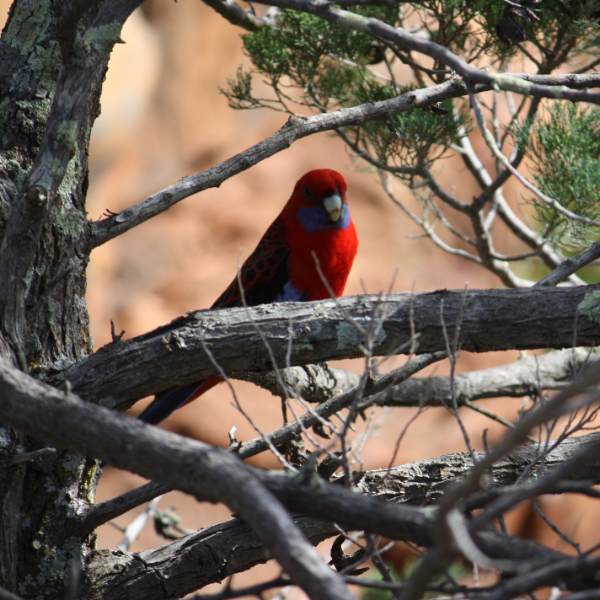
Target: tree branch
(569, 266)
(100, 513)
(425, 482)
(236, 15)
(188, 564)
(313, 383)
(294, 130)
(410, 41)
(205, 472)
(524, 377)
(121, 373)
(421, 483)
(212, 475)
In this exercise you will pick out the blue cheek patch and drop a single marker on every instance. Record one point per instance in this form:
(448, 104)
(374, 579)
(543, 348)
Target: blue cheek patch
(313, 219)
(317, 219)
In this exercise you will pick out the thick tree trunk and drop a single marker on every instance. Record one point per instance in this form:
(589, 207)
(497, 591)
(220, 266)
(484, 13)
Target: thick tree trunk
(38, 499)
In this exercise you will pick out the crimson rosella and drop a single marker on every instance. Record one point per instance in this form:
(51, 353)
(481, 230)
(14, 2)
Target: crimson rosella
(315, 220)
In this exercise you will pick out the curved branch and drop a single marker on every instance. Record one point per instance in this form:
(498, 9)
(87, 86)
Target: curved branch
(198, 469)
(409, 41)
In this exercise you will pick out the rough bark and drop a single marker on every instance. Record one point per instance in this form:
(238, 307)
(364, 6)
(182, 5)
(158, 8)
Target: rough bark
(213, 475)
(526, 376)
(50, 78)
(208, 473)
(480, 320)
(53, 57)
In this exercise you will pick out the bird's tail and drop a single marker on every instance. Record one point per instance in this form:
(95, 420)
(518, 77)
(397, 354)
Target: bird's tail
(164, 404)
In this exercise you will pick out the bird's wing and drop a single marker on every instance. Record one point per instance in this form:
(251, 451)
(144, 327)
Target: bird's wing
(264, 274)
(264, 277)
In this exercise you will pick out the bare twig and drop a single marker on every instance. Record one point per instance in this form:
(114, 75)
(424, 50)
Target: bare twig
(236, 15)
(134, 528)
(209, 474)
(569, 266)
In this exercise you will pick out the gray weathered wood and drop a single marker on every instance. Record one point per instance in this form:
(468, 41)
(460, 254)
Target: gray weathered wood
(208, 473)
(123, 372)
(420, 483)
(213, 475)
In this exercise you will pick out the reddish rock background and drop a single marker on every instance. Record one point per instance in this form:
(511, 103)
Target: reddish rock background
(162, 118)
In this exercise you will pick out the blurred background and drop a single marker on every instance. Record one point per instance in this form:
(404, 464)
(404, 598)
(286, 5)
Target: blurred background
(163, 118)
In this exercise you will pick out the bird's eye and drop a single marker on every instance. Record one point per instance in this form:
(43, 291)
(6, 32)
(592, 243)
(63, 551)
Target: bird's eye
(307, 192)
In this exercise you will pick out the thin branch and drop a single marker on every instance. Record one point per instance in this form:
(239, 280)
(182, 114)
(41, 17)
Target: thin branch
(424, 224)
(492, 416)
(30, 456)
(557, 530)
(540, 485)
(589, 66)
(236, 15)
(134, 528)
(332, 406)
(507, 164)
(569, 266)
(524, 233)
(296, 129)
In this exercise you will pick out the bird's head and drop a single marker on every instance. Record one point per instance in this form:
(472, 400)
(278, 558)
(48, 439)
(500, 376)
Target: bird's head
(319, 201)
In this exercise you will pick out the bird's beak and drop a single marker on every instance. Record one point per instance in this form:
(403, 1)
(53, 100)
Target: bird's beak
(333, 206)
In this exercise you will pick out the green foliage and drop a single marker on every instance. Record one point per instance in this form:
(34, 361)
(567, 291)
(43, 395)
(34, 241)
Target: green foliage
(315, 56)
(239, 93)
(573, 22)
(565, 151)
(314, 64)
(414, 138)
(311, 65)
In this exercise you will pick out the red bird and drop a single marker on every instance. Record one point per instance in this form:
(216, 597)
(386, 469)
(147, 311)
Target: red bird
(316, 219)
